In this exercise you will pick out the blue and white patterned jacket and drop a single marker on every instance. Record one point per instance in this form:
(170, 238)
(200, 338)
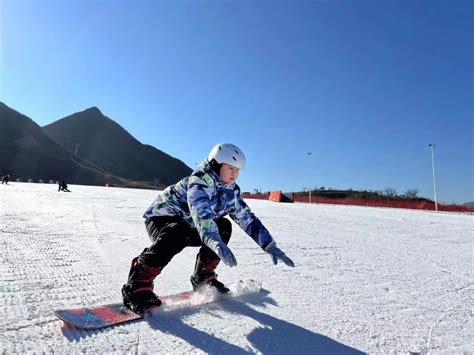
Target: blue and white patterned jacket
(201, 199)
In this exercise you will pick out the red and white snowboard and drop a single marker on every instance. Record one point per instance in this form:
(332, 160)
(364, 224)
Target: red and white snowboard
(112, 314)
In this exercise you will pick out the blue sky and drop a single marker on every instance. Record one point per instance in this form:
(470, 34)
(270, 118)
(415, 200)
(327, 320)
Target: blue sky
(363, 85)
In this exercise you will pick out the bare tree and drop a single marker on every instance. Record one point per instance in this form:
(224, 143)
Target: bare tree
(412, 193)
(390, 192)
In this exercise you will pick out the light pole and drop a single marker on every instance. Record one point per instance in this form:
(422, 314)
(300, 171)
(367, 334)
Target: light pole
(434, 179)
(309, 168)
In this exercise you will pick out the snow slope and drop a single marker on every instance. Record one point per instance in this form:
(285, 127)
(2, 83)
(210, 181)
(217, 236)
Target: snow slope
(366, 280)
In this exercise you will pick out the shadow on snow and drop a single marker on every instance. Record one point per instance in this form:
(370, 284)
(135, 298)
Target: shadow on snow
(275, 336)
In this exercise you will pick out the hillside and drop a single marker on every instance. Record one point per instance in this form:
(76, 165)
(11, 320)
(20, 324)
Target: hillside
(26, 152)
(110, 147)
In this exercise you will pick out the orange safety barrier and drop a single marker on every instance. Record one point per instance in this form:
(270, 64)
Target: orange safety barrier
(275, 196)
(422, 204)
(419, 204)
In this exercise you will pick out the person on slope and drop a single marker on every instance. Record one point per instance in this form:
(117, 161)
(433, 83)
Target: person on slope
(5, 179)
(191, 213)
(62, 186)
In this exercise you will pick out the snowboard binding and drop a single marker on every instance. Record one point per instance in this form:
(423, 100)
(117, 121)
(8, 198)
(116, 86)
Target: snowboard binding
(209, 280)
(140, 301)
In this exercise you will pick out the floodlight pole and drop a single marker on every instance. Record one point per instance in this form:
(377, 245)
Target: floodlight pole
(434, 178)
(309, 166)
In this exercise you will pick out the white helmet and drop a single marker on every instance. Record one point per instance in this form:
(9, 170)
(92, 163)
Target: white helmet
(229, 154)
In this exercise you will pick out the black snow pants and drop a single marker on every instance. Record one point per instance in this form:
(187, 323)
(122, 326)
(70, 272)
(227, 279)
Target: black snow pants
(170, 235)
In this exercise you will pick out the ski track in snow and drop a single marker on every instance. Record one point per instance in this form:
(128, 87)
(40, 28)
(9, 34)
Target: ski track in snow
(366, 279)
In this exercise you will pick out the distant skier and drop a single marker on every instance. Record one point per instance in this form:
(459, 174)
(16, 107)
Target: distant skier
(191, 213)
(5, 179)
(62, 186)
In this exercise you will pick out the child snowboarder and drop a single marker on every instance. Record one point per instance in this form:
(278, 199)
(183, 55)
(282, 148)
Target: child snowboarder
(5, 179)
(191, 213)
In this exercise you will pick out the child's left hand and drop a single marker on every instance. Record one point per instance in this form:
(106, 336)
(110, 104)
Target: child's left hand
(277, 254)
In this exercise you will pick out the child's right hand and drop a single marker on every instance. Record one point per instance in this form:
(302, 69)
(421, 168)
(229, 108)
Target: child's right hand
(226, 255)
(215, 243)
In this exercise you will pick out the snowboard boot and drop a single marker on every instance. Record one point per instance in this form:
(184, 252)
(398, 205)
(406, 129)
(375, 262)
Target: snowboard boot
(210, 279)
(204, 275)
(137, 293)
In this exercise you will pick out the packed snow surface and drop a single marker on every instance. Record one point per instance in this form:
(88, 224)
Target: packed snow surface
(366, 279)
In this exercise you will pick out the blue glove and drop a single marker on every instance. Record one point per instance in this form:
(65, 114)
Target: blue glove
(225, 254)
(277, 254)
(216, 244)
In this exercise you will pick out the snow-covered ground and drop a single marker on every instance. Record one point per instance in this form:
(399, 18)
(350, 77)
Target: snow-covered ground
(366, 279)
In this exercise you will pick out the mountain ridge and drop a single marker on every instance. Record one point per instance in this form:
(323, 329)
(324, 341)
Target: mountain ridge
(106, 144)
(27, 152)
